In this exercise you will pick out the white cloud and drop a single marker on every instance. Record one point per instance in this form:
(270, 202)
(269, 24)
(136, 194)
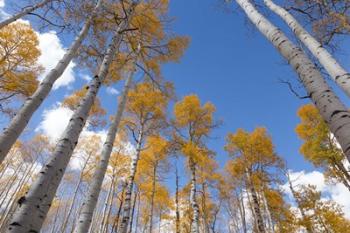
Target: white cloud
(51, 52)
(54, 122)
(336, 192)
(112, 91)
(2, 3)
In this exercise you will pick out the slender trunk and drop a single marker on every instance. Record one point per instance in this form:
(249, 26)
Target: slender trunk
(330, 107)
(204, 210)
(152, 198)
(70, 209)
(24, 12)
(193, 199)
(242, 208)
(116, 221)
(343, 170)
(35, 205)
(133, 212)
(110, 205)
(138, 213)
(267, 211)
(89, 204)
(255, 204)
(177, 202)
(127, 202)
(335, 70)
(307, 225)
(22, 117)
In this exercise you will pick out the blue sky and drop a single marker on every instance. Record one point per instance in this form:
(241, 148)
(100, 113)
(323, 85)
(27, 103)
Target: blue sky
(231, 65)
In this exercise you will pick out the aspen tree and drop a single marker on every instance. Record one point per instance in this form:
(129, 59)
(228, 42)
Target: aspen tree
(331, 108)
(145, 114)
(36, 202)
(332, 66)
(20, 121)
(196, 121)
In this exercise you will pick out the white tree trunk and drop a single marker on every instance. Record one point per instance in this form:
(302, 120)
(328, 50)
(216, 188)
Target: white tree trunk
(36, 203)
(20, 121)
(335, 70)
(193, 199)
(130, 185)
(24, 12)
(89, 204)
(330, 107)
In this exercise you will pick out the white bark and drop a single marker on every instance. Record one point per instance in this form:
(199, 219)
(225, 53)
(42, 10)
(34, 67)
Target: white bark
(24, 12)
(330, 107)
(20, 121)
(89, 204)
(193, 199)
(335, 70)
(36, 203)
(130, 185)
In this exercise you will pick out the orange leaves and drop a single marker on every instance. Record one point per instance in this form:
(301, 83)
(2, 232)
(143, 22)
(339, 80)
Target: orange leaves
(145, 101)
(319, 145)
(190, 113)
(18, 56)
(96, 113)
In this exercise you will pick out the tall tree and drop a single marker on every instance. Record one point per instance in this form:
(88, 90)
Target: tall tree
(195, 121)
(331, 108)
(332, 66)
(21, 119)
(253, 162)
(35, 204)
(89, 205)
(145, 115)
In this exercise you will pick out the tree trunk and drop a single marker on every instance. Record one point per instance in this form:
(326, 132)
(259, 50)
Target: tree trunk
(335, 70)
(70, 209)
(116, 221)
(268, 213)
(35, 205)
(24, 12)
(22, 117)
(89, 204)
(138, 213)
(308, 226)
(177, 202)
(133, 212)
(152, 199)
(193, 199)
(255, 204)
(127, 202)
(330, 107)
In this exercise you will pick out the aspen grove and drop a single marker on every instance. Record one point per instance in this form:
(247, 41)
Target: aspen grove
(183, 116)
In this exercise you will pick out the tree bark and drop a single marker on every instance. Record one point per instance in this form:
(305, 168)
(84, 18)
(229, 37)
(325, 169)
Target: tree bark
(193, 199)
(133, 212)
(177, 202)
(22, 117)
(89, 204)
(335, 70)
(152, 199)
(333, 111)
(24, 12)
(35, 205)
(127, 201)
